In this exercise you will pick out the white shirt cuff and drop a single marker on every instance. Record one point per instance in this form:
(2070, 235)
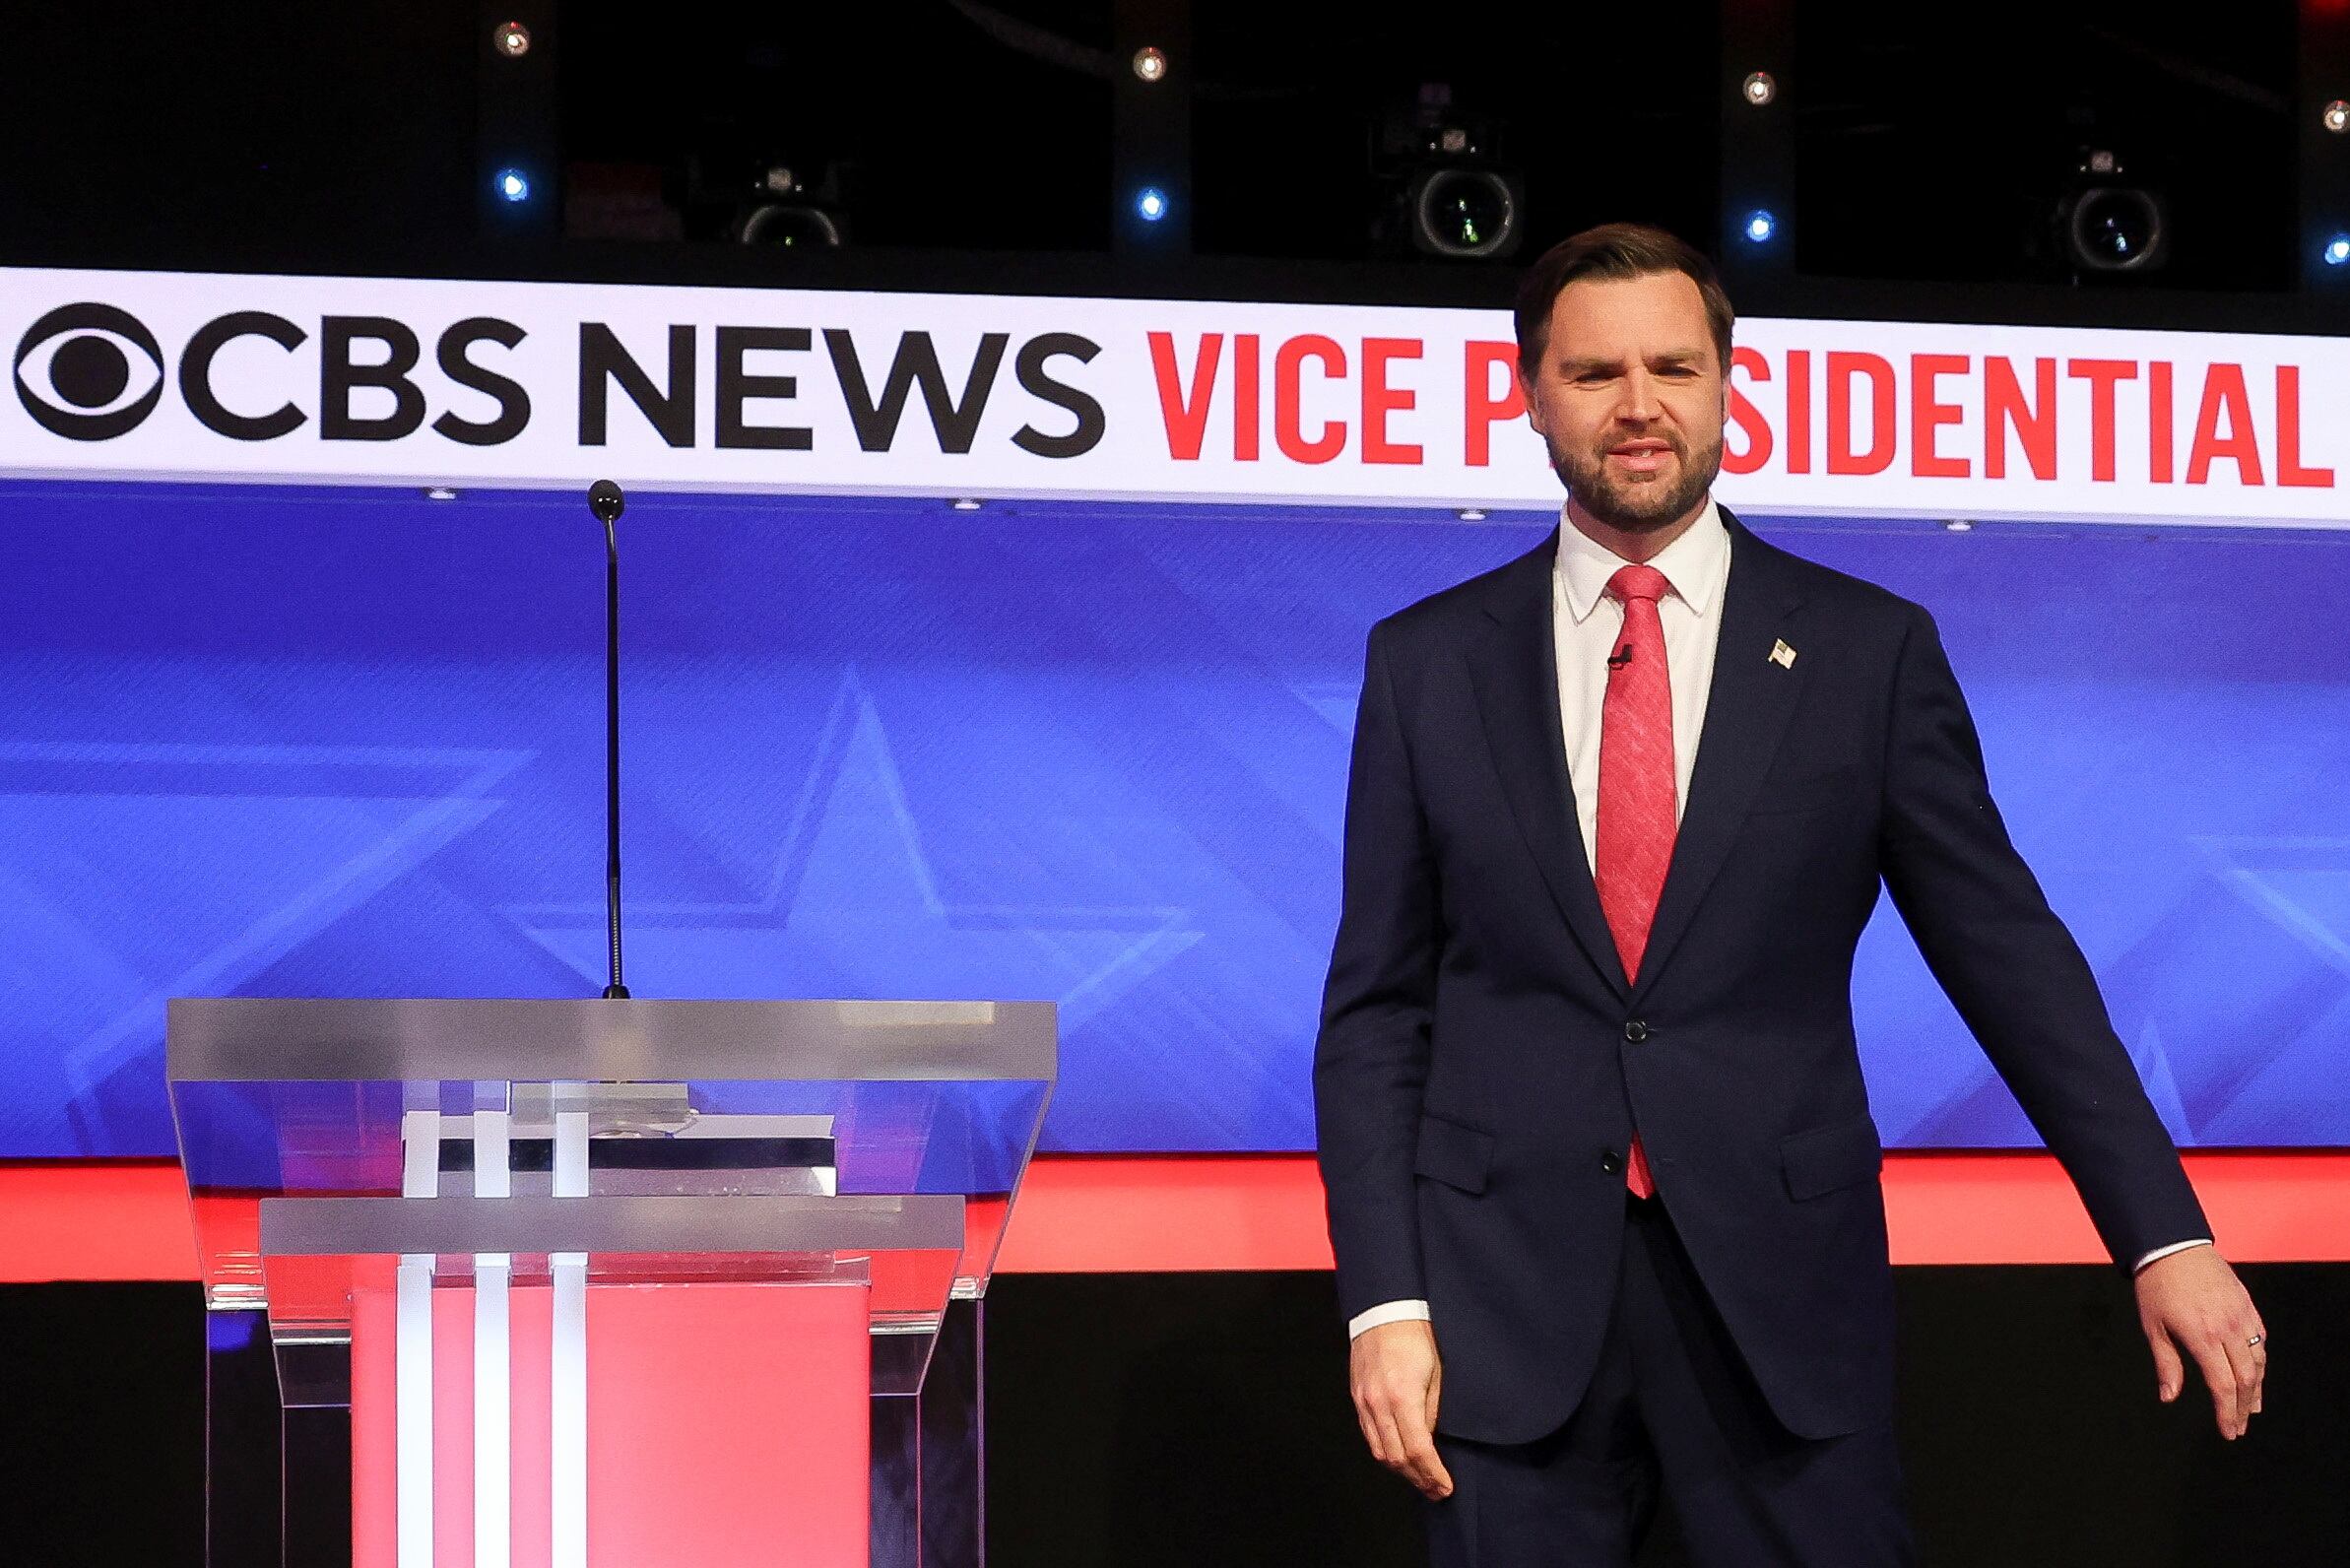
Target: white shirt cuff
(2165, 1252)
(1386, 1312)
(1410, 1311)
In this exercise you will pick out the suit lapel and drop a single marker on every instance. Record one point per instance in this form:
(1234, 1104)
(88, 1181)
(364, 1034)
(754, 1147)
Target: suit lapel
(1515, 672)
(1746, 716)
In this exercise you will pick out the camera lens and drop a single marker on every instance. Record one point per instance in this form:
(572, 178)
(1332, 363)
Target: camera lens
(1465, 212)
(2115, 228)
(802, 228)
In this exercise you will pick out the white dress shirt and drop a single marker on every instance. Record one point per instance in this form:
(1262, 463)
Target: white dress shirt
(1586, 624)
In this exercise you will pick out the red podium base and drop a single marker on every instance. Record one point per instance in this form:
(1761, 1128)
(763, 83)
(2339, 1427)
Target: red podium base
(723, 1423)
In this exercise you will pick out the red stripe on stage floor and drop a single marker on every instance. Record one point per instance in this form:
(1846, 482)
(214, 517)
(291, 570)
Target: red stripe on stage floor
(1182, 1212)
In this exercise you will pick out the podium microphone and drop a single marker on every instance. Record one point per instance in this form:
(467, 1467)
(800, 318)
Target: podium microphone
(607, 502)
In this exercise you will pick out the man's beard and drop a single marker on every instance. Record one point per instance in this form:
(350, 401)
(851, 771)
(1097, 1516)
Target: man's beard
(1639, 506)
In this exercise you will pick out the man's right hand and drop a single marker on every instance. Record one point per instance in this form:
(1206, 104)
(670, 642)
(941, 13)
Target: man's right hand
(1396, 1375)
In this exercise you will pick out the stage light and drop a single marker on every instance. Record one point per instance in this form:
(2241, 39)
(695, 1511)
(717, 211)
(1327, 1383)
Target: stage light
(785, 209)
(511, 40)
(797, 227)
(1467, 212)
(2337, 250)
(1759, 87)
(513, 184)
(1450, 189)
(2115, 230)
(2106, 223)
(1150, 64)
(2337, 116)
(1760, 225)
(1151, 203)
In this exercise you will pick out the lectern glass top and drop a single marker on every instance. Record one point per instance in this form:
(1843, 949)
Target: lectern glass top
(879, 1143)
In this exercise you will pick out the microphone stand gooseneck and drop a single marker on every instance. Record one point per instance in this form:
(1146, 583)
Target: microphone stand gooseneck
(607, 502)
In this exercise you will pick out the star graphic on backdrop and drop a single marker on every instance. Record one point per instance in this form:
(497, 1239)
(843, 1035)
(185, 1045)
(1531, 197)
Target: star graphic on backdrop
(2282, 1074)
(2242, 1050)
(1334, 700)
(2153, 1063)
(233, 855)
(854, 909)
(2300, 884)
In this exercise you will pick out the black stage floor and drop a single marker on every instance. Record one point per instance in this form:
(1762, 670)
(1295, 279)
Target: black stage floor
(1140, 1421)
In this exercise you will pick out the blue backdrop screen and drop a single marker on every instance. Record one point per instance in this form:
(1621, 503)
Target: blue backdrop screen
(277, 741)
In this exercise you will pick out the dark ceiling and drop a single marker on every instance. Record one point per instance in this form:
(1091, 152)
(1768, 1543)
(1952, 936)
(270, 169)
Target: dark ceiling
(1930, 141)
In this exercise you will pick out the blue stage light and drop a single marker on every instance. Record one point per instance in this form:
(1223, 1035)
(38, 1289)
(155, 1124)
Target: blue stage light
(1760, 225)
(1151, 203)
(513, 184)
(2337, 250)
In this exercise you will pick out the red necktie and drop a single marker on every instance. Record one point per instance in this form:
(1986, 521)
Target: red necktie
(1636, 825)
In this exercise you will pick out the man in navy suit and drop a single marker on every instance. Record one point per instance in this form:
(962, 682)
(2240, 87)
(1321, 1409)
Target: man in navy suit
(1602, 1180)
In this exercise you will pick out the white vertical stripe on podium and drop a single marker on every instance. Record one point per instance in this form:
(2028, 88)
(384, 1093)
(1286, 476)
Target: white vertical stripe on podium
(411, 1350)
(493, 1388)
(569, 1416)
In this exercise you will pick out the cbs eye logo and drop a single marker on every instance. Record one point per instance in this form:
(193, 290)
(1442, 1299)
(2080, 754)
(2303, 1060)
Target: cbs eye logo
(79, 372)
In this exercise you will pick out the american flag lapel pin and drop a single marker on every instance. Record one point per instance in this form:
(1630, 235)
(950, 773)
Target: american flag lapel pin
(1782, 655)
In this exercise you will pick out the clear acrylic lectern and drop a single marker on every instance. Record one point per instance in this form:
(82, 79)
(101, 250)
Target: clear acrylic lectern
(512, 1283)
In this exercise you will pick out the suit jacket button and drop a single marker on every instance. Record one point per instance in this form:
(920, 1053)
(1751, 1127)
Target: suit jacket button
(1636, 1031)
(1610, 1162)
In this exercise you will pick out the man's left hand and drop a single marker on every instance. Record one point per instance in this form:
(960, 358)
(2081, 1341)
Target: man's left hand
(2192, 1302)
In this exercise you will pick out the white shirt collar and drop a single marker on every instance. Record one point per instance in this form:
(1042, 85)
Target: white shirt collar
(1694, 563)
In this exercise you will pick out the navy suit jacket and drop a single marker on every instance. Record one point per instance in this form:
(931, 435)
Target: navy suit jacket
(1482, 1056)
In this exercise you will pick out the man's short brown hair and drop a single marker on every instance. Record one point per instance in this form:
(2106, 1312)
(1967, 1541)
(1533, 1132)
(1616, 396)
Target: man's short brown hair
(1615, 250)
